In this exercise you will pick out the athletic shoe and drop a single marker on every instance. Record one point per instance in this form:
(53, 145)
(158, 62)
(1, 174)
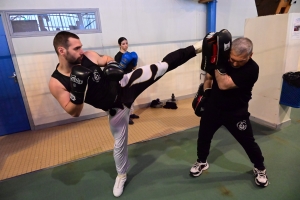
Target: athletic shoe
(130, 121)
(197, 168)
(134, 116)
(119, 185)
(261, 178)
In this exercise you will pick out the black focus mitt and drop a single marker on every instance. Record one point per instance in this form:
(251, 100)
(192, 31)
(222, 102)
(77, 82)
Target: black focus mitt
(215, 50)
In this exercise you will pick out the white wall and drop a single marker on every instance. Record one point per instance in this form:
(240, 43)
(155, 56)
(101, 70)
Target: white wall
(231, 14)
(153, 28)
(276, 54)
(295, 6)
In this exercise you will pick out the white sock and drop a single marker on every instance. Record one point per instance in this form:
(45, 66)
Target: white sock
(198, 46)
(121, 175)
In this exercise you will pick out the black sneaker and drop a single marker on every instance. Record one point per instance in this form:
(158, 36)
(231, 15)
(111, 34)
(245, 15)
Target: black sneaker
(130, 121)
(197, 168)
(134, 116)
(261, 178)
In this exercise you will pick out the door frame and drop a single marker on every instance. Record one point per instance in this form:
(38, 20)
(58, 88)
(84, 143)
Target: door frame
(16, 67)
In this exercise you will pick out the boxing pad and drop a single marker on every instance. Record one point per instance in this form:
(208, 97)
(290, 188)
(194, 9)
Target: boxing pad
(134, 58)
(78, 79)
(200, 100)
(125, 60)
(216, 50)
(113, 72)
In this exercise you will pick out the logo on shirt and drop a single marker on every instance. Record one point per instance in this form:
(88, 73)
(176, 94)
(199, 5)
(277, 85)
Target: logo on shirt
(242, 125)
(96, 77)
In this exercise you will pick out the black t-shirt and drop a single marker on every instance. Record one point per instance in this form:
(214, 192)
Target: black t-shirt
(101, 92)
(129, 67)
(237, 98)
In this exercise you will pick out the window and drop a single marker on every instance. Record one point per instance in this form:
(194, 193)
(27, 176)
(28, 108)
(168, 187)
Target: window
(40, 22)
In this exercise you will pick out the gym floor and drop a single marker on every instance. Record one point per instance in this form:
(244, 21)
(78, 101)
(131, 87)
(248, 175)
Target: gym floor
(75, 161)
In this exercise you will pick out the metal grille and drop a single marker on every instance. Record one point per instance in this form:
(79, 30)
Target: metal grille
(53, 22)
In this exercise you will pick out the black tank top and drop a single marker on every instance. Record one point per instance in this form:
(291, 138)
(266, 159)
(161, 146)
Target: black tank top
(101, 92)
(64, 80)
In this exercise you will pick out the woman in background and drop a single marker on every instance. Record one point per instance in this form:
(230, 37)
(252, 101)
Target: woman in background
(124, 54)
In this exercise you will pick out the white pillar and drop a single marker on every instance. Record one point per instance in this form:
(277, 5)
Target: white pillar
(276, 50)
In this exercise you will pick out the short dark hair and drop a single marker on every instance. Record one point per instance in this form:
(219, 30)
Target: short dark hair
(242, 45)
(121, 39)
(62, 39)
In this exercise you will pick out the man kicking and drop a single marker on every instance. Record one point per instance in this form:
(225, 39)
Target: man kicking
(78, 79)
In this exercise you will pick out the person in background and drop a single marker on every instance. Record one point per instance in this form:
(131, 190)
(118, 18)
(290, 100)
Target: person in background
(123, 53)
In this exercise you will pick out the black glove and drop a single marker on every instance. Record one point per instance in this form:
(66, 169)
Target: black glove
(78, 79)
(113, 72)
(200, 100)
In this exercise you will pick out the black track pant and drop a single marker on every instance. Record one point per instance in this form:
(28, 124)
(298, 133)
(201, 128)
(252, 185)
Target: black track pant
(237, 123)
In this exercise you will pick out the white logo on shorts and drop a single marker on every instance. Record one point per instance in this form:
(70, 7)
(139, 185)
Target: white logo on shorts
(242, 125)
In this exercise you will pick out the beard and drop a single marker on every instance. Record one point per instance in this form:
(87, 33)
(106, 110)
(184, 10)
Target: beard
(72, 60)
